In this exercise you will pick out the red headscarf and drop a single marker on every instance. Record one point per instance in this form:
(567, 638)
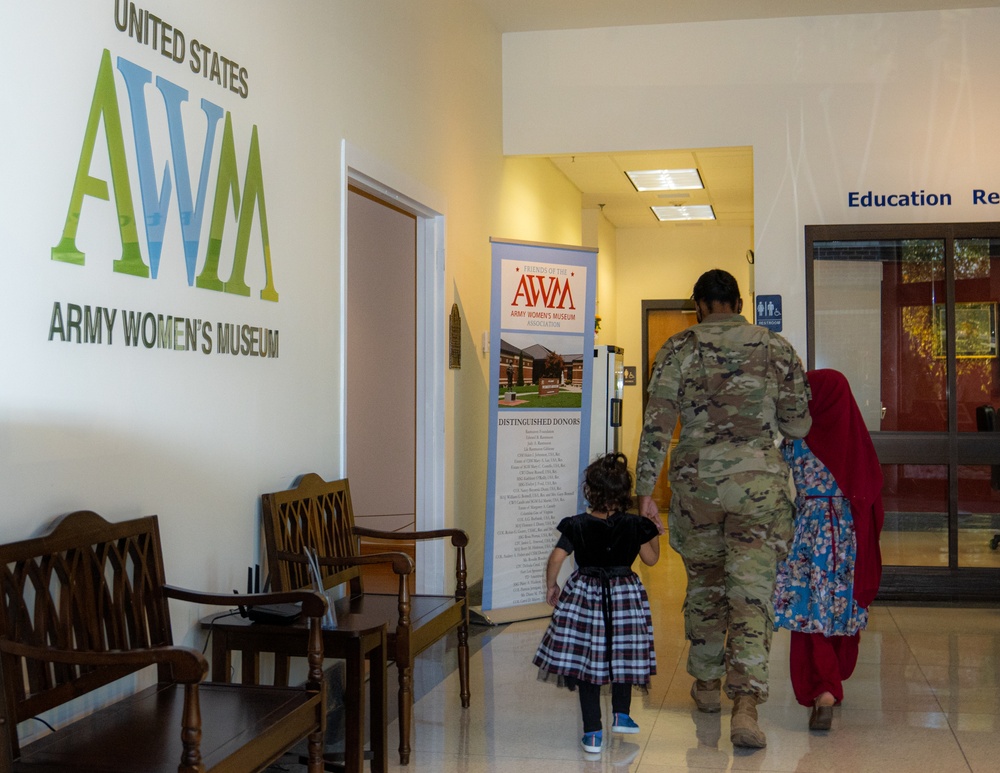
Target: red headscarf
(840, 439)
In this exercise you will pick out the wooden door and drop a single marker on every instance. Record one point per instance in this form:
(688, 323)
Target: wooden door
(660, 322)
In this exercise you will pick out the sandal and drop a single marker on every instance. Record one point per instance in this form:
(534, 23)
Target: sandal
(821, 717)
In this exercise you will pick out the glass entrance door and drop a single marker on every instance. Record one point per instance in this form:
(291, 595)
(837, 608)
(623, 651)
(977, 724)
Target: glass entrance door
(908, 314)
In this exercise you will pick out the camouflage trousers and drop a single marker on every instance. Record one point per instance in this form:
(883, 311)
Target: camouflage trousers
(731, 532)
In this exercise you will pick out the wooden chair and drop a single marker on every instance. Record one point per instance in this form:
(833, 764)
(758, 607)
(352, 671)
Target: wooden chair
(85, 605)
(318, 514)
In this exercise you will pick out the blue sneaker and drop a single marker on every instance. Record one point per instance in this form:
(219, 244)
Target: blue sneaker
(592, 741)
(623, 724)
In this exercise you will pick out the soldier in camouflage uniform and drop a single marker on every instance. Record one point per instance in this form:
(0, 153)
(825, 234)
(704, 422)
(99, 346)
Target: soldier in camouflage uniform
(734, 386)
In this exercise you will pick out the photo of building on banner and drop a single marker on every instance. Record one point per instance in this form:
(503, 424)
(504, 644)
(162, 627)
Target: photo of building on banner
(542, 328)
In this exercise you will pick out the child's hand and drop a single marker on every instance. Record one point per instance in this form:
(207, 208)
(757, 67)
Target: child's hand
(648, 509)
(553, 594)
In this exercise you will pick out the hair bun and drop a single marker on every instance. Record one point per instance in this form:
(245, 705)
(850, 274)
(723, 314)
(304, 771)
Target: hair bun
(613, 460)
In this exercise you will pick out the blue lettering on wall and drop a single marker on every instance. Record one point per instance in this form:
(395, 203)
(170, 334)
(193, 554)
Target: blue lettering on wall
(912, 199)
(979, 196)
(155, 207)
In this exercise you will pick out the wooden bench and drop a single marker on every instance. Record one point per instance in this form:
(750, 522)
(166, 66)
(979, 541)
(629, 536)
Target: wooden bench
(85, 605)
(318, 514)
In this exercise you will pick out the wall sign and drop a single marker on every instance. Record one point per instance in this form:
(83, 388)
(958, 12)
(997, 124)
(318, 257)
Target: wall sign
(541, 323)
(768, 308)
(204, 205)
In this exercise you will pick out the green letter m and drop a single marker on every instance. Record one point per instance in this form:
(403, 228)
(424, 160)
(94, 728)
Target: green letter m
(253, 194)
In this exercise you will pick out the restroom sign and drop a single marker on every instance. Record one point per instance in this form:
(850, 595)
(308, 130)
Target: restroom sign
(768, 310)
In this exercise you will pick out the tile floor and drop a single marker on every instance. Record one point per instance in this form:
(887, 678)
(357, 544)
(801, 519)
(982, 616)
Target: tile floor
(925, 697)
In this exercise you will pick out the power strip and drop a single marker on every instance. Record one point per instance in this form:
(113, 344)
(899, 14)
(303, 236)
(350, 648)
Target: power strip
(275, 614)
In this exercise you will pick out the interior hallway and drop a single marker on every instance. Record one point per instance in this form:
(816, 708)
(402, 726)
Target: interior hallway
(924, 698)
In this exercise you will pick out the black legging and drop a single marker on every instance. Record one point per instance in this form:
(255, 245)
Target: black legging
(590, 702)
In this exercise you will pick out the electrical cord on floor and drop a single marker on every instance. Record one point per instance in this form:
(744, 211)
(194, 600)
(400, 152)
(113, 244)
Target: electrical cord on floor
(45, 723)
(219, 616)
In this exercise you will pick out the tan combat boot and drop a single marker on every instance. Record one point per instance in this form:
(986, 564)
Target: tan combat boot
(706, 695)
(744, 731)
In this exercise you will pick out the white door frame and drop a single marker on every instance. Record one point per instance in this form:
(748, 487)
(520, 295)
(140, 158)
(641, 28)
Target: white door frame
(371, 175)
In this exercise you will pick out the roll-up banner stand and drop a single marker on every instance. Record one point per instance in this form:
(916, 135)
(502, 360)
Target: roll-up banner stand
(541, 333)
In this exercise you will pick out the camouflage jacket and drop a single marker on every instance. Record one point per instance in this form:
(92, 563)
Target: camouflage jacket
(734, 386)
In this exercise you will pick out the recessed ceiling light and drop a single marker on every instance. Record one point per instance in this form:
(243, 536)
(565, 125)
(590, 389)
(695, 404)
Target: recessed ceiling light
(666, 179)
(688, 212)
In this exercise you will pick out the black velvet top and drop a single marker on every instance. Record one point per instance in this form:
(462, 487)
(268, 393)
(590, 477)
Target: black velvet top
(603, 543)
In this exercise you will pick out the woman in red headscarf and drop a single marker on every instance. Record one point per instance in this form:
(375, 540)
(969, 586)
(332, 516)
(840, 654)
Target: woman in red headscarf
(834, 566)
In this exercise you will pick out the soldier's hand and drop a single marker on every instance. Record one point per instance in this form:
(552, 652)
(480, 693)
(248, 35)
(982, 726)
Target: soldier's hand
(648, 509)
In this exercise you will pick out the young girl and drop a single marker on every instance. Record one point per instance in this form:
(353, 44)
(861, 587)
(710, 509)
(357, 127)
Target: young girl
(834, 565)
(601, 631)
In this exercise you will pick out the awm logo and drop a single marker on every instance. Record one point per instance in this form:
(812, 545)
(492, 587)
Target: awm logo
(551, 292)
(156, 203)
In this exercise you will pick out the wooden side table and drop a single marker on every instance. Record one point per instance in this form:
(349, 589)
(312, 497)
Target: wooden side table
(355, 640)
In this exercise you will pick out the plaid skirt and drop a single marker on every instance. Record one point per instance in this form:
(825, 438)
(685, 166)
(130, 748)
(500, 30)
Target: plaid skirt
(577, 646)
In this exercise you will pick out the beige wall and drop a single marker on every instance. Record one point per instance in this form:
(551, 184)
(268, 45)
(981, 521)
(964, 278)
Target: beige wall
(888, 102)
(413, 87)
(598, 232)
(534, 203)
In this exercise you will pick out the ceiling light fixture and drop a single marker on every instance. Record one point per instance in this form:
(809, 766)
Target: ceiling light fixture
(666, 179)
(686, 212)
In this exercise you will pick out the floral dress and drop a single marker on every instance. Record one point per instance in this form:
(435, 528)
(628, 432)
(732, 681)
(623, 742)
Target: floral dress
(815, 588)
